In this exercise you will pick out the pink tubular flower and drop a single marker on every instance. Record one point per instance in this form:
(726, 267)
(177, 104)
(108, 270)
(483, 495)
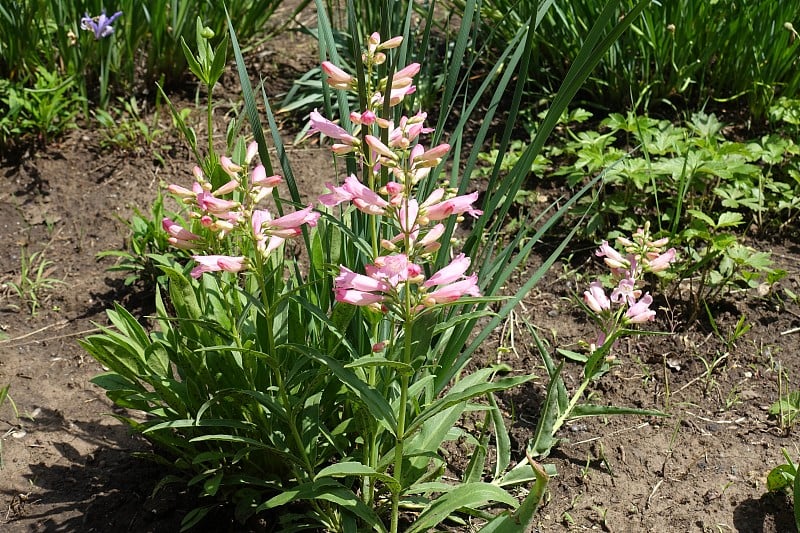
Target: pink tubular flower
(337, 77)
(364, 198)
(429, 242)
(452, 272)
(292, 222)
(230, 168)
(434, 154)
(657, 263)
(625, 292)
(347, 279)
(409, 71)
(380, 148)
(216, 263)
(354, 297)
(252, 151)
(453, 206)
(453, 291)
(393, 269)
(612, 257)
(394, 42)
(640, 311)
(177, 231)
(596, 299)
(320, 124)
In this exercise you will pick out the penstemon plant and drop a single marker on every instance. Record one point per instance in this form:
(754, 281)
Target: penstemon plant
(323, 380)
(309, 362)
(616, 316)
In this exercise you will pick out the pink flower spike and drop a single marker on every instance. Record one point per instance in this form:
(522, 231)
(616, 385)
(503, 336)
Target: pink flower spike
(661, 262)
(454, 291)
(216, 263)
(595, 298)
(360, 298)
(640, 312)
(452, 272)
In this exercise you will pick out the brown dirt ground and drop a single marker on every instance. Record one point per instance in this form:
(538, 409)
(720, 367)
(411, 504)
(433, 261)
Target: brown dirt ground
(67, 465)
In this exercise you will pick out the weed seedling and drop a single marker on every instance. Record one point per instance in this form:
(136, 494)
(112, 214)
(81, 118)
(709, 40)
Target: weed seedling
(34, 279)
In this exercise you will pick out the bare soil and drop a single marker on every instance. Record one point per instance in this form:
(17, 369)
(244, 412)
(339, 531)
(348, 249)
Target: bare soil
(68, 465)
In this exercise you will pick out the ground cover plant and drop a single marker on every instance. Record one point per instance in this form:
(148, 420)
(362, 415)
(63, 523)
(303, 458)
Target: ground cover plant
(223, 403)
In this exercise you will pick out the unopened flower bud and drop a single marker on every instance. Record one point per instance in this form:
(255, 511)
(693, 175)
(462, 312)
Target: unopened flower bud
(671, 28)
(394, 42)
(252, 151)
(388, 245)
(378, 346)
(379, 59)
(341, 149)
(207, 33)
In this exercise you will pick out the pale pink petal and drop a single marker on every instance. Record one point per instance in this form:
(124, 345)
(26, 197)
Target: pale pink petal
(452, 272)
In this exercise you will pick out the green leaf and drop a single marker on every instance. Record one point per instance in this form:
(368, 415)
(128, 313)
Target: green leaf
(796, 495)
(468, 495)
(728, 219)
(371, 360)
(544, 438)
(454, 397)
(330, 490)
(354, 468)
(780, 478)
(702, 216)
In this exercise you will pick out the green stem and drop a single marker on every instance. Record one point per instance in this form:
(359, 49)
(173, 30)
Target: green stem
(210, 120)
(408, 325)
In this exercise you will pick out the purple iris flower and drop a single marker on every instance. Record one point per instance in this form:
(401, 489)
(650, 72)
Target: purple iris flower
(100, 25)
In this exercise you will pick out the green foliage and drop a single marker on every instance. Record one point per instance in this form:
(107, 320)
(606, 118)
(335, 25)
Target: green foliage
(683, 51)
(50, 68)
(785, 477)
(42, 111)
(787, 409)
(124, 128)
(703, 188)
(147, 248)
(34, 279)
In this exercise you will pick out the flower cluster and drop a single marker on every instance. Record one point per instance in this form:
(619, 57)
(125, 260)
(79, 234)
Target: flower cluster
(626, 305)
(230, 207)
(410, 226)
